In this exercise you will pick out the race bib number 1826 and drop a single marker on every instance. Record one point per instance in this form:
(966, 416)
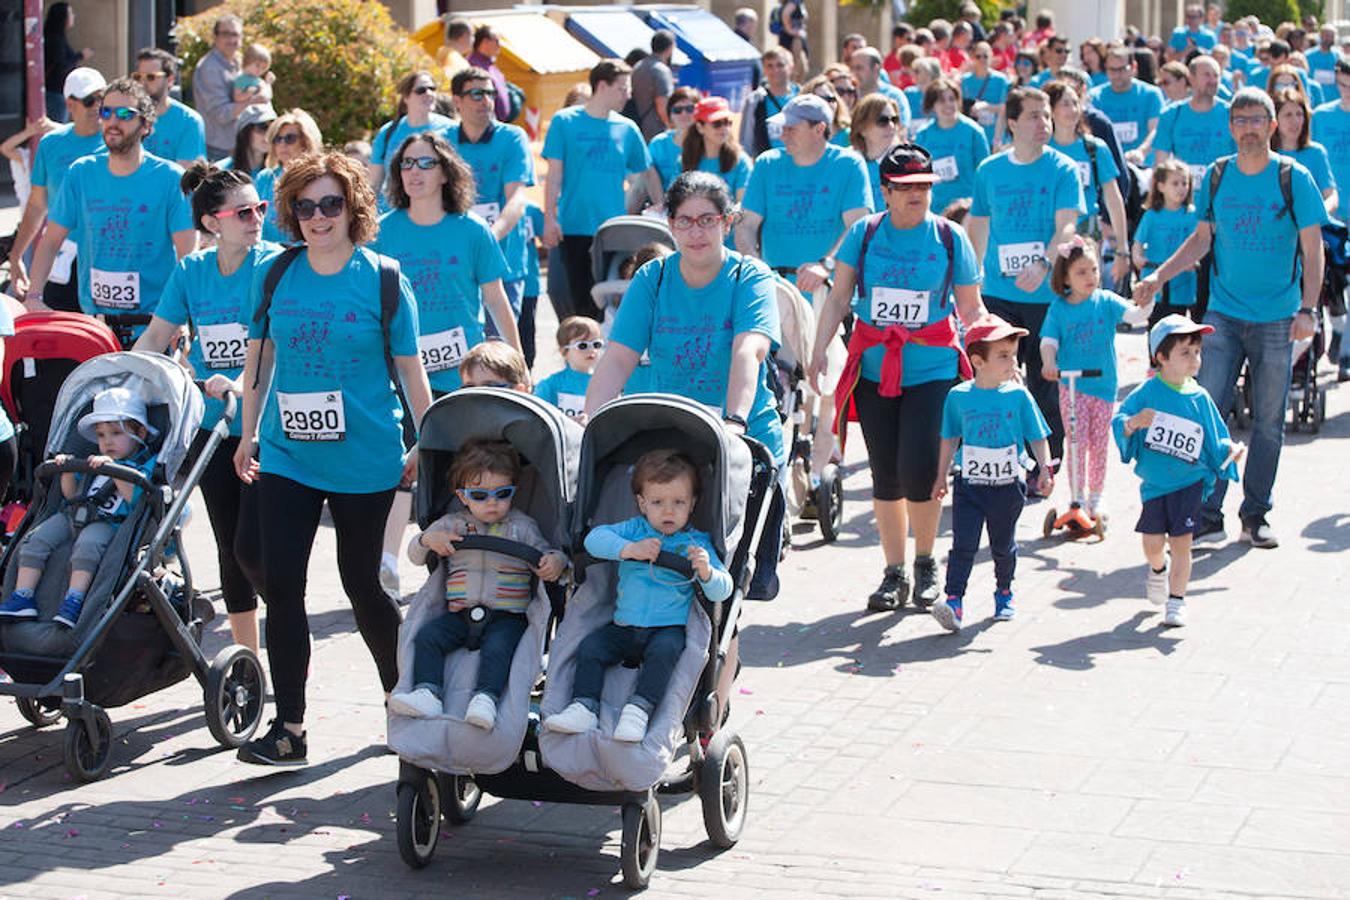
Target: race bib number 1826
(1013, 258)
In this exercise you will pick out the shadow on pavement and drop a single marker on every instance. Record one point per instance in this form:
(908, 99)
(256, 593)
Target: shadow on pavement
(1079, 653)
(1330, 534)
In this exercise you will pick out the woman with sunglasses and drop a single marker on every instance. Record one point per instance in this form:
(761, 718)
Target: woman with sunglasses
(956, 144)
(666, 148)
(290, 136)
(844, 85)
(250, 140)
(711, 146)
(876, 129)
(707, 317)
(416, 115)
(901, 283)
(823, 88)
(327, 426)
(210, 293)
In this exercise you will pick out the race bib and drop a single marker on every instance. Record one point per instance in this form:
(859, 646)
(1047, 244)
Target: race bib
(946, 168)
(774, 130)
(987, 116)
(111, 503)
(1084, 174)
(990, 465)
(1175, 436)
(1325, 76)
(313, 416)
(1126, 132)
(527, 227)
(442, 350)
(897, 306)
(489, 211)
(1013, 258)
(1197, 175)
(223, 346)
(116, 290)
(64, 262)
(572, 405)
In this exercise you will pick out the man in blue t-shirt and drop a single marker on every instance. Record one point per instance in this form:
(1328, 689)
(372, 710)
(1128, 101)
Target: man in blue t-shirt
(1132, 106)
(1264, 286)
(1322, 61)
(1193, 34)
(766, 101)
(179, 134)
(590, 151)
(55, 153)
(1196, 132)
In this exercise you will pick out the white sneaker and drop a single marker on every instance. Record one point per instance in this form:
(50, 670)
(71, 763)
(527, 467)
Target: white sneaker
(417, 704)
(482, 712)
(575, 719)
(1155, 588)
(389, 579)
(632, 725)
(1176, 612)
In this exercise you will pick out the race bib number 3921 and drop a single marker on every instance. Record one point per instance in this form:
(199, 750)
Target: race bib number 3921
(442, 350)
(115, 290)
(990, 465)
(313, 416)
(1175, 436)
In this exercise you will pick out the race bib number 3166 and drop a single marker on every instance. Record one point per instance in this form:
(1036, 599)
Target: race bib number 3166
(1175, 436)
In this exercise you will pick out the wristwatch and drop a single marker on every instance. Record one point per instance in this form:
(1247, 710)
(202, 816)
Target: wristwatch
(736, 420)
(1305, 311)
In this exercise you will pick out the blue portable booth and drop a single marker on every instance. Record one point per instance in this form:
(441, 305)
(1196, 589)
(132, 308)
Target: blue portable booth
(721, 61)
(611, 31)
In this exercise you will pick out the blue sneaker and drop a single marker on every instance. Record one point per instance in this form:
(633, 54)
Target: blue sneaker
(20, 605)
(948, 613)
(1003, 606)
(69, 613)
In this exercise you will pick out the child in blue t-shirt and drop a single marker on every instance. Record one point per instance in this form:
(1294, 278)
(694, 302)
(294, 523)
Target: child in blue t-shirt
(1173, 431)
(990, 419)
(580, 343)
(653, 604)
(1079, 332)
(1169, 218)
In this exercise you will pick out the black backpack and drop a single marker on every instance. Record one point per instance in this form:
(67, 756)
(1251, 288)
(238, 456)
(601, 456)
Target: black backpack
(945, 234)
(1286, 177)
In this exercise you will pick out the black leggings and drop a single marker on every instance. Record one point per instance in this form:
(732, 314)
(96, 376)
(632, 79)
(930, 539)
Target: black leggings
(290, 514)
(904, 438)
(576, 257)
(223, 492)
(9, 461)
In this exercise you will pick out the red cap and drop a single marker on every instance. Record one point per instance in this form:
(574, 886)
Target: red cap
(710, 109)
(990, 327)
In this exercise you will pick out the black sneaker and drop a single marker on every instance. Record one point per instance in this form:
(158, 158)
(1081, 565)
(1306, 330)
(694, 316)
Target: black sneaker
(925, 582)
(1209, 534)
(891, 595)
(279, 747)
(1258, 533)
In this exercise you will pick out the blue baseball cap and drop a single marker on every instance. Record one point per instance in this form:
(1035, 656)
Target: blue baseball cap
(1176, 323)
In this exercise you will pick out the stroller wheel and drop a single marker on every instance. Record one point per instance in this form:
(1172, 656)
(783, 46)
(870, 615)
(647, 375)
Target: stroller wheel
(1319, 411)
(89, 758)
(464, 796)
(233, 696)
(724, 788)
(37, 715)
(1048, 527)
(641, 842)
(419, 819)
(830, 503)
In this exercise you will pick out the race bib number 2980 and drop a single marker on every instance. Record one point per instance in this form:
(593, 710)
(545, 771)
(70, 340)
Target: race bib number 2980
(313, 416)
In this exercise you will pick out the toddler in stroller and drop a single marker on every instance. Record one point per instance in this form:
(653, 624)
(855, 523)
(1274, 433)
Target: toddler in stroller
(486, 593)
(651, 608)
(95, 505)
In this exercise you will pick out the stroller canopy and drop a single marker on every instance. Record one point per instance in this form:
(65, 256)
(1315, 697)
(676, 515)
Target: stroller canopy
(173, 400)
(628, 427)
(618, 238)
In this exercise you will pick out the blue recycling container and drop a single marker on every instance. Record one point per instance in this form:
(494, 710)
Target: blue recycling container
(721, 61)
(612, 31)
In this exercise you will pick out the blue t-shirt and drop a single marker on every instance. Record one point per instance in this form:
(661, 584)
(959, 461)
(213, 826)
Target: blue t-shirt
(666, 157)
(735, 178)
(329, 372)
(1183, 39)
(1322, 66)
(1196, 139)
(565, 390)
(1021, 202)
(1258, 76)
(1162, 473)
(1331, 129)
(911, 109)
(532, 224)
(1105, 173)
(841, 138)
(1129, 111)
(596, 155)
(773, 105)
(648, 597)
(1253, 276)
(905, 269)
(803, 206)
(179, 133)
(501, 156)
(1315, 160)
(993, 418)
(1086, 336)
(1162, 232)
(688, 333)
(957, 152)
(447, 265)
(992, 89)
(126, 225)
(219, 309)
(390, 137)
(6, 329)
(874, 181)
(55, 153)
(266, 183)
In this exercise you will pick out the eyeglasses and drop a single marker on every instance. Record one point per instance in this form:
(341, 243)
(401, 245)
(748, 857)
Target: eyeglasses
(246, 213)
(123, 113)
(142, 77)
(883, 121)
(480, 94)
(482, 495)
(331, 206)
(595, 344)
(704, 222)
(1251, 121)
(828, 98)
(423, 89)
(720, 123)
(683, 109)
(425, 163)
(846, 91)
(89, 102)
(290, 137)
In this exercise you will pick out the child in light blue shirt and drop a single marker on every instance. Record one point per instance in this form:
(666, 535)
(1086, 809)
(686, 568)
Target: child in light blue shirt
(580, 343)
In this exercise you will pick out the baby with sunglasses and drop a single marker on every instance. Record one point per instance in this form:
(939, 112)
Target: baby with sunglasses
(484, 477)
(580, 344)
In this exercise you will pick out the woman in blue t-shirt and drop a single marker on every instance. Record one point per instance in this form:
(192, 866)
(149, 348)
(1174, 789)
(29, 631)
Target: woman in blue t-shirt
(290, 136)
(209, 292)
(707, 317)
(668, 146)
(1291, 138)
(328, 424)
(876, 129)
(711, 146)
(415, 115)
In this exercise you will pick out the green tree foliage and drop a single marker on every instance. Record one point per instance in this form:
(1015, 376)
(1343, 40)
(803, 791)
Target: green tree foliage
(921, 12)
(1270, 12)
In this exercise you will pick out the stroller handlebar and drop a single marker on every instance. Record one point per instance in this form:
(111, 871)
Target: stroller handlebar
(1080, 373)
(665, 559)
(231, 402)
(112, 470)
(523, 552)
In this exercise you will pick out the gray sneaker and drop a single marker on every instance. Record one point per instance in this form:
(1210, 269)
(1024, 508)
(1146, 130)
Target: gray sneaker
(926, 590)
(1209, 535)
(1258, 533)
(891, 593)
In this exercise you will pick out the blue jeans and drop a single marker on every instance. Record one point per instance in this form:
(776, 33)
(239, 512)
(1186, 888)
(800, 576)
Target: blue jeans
(658, 648)
(437, 638)
(55, 101)
(514, 291)
(1269, 354)
(975, 507)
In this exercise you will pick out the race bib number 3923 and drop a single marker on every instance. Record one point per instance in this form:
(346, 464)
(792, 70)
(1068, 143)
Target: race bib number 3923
(313, 416)
(115, 290)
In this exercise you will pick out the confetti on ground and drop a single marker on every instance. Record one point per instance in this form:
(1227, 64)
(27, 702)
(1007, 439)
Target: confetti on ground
(72, 832)
(593, 892)
(746, 691)
(536, 804)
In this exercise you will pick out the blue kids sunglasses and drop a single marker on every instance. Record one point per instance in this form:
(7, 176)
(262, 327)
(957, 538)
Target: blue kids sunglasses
(481, 495)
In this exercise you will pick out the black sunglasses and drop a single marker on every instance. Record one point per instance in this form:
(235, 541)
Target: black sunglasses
(888, 120)
(424, 89)
(425, 163)
(480, 93)
(89, 102)
(289, 138)
(331, 206)
(682, 109)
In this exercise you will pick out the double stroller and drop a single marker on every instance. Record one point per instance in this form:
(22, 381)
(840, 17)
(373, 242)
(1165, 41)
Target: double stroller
(572, 481)
(140, 628)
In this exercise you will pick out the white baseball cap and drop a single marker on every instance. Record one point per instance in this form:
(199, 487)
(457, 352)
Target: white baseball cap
(82, 82)
(114, 405)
